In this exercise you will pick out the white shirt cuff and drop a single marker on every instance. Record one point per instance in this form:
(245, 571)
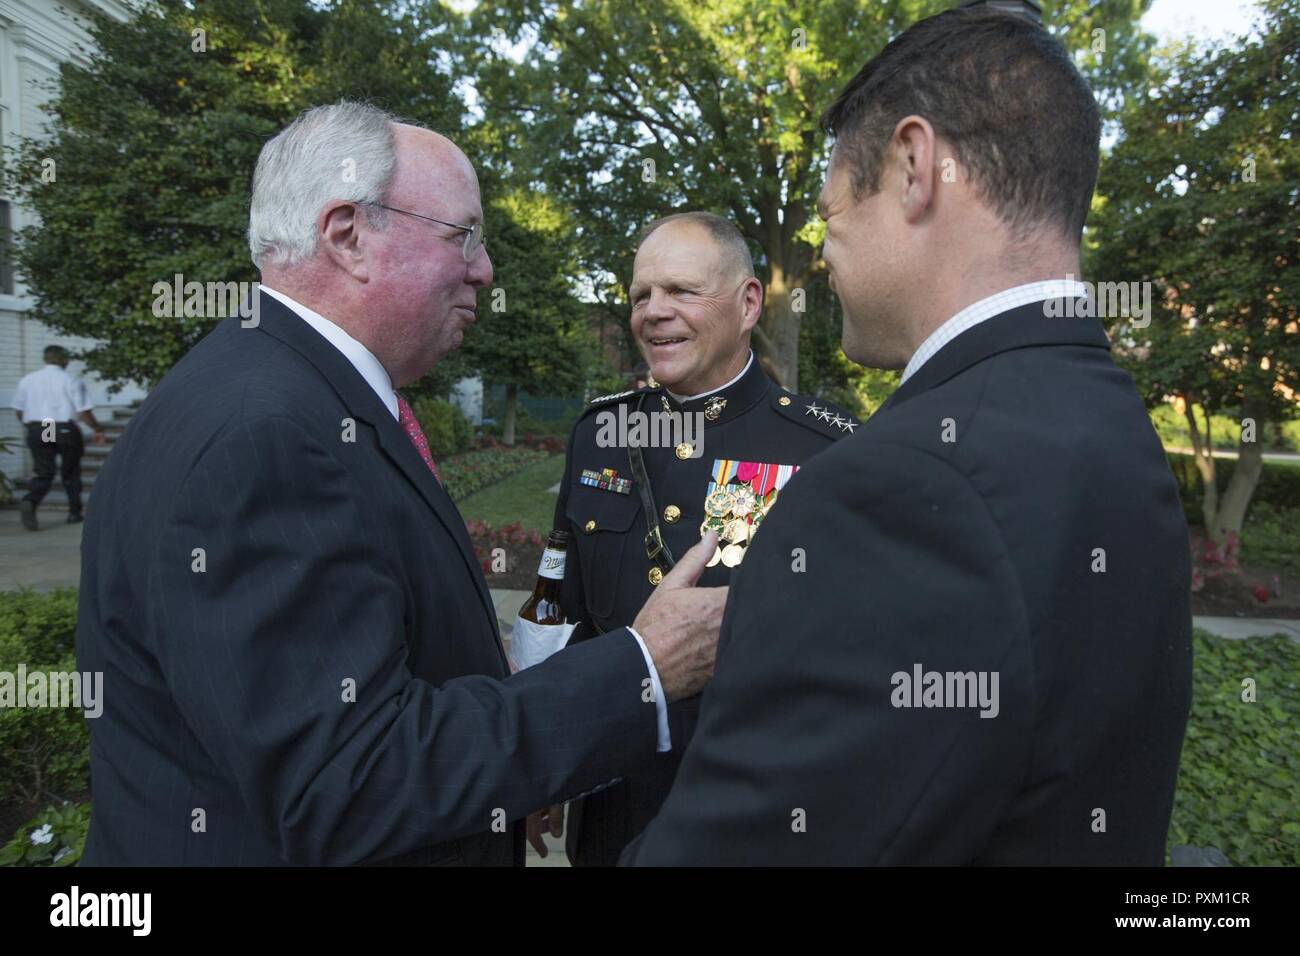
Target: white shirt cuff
(661, 705)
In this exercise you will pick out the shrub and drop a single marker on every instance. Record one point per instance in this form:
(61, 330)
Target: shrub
(54, 837)
(1236, 782)
(44, 751)
(513, 538)
(443, 425)
(1279, 484)
(44, 624)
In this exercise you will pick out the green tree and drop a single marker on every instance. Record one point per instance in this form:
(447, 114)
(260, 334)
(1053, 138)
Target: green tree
(153, 144)
(1198, 198)
(531, 334)
(628, 109)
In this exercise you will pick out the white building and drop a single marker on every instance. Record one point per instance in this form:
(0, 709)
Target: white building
(35, 36)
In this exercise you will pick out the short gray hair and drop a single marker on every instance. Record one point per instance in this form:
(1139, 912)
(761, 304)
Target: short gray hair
(346, 150)
(729, 239)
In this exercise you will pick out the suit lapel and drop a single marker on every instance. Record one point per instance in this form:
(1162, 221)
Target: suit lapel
(279, 321)
(1023, 327)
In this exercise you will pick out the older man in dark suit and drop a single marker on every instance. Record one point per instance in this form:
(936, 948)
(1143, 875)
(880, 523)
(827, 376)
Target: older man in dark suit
(301, 660)
(964, 637)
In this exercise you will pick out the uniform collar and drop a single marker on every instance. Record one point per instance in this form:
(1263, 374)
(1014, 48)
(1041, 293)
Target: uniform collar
(727, 402)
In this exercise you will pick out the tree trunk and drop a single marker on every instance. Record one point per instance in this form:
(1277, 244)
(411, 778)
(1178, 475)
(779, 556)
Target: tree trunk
(1203, 455)
(1241, 486)
(779, 332)
(512, 406)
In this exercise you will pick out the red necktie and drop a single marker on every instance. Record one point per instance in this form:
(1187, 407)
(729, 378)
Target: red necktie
(406, 418)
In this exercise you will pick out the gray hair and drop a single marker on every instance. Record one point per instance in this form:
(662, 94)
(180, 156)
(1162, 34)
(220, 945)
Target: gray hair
(345, 150)
(729, 239)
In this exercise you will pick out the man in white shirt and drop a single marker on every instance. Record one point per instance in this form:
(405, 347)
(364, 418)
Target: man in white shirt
(49, 402)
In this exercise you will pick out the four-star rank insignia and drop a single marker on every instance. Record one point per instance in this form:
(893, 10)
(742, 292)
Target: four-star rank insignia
(606, 479)
(739, 497)
(826, 415)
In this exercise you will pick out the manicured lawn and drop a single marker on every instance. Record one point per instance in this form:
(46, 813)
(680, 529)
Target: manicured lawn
(522, 497)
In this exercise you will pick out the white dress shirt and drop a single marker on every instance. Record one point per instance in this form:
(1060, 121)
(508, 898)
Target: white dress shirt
(987, 308)
(376, 376)
(50, 394)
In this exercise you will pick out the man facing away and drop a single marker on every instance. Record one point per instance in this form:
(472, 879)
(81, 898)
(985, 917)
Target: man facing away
(987, 656)
(49, 402)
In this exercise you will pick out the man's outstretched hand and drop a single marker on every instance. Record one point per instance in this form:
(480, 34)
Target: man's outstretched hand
(680, 624)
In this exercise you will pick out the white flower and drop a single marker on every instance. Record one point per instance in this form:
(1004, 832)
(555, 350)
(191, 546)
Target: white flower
(44, 835)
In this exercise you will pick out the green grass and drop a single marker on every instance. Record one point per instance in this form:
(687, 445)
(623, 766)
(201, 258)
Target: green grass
(522, 497)
(1271, 537)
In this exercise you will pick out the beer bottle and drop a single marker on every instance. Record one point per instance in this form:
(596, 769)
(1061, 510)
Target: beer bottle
(544, 606)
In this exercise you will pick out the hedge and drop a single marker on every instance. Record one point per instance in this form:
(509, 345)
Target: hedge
(1279, 484)
(447, 430)
(44, 751)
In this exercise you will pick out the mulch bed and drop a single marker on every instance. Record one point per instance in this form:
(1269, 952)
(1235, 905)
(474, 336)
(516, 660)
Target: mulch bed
(1238, 594)
(1233, 596)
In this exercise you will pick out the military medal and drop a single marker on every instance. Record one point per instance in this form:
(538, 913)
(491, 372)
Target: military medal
(744, 501)
(736, 532)
(739, 496)
(719, 504)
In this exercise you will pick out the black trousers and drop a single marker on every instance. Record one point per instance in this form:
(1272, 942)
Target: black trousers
(68, 446)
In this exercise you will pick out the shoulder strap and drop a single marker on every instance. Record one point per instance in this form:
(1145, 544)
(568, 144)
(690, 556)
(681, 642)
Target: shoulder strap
(655, 549)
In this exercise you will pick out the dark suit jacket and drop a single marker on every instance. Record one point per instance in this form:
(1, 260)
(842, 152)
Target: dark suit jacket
(978, 554)
(265, 537)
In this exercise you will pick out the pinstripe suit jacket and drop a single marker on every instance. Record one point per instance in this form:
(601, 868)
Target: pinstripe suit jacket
(300, 656)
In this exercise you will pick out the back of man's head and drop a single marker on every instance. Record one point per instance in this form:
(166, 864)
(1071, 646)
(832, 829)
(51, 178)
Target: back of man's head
(1003, 94)
(56, 355)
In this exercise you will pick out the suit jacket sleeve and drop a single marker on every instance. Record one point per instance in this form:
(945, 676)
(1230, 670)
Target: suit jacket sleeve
(297, 600)
(801, 755)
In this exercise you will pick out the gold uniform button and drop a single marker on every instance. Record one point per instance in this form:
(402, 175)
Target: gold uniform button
(589, 527)
(783, 400)
(684, 450)
(656, 575)
(672, 513)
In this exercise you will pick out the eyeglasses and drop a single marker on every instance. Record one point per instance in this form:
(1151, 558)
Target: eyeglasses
(473, 234)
